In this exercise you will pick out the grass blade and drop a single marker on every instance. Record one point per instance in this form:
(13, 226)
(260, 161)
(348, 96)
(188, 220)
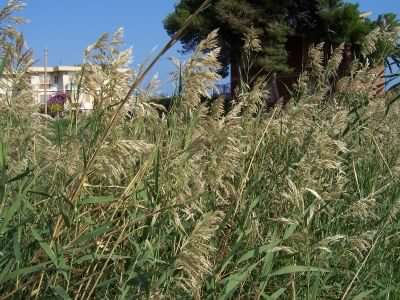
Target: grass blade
(296, 269)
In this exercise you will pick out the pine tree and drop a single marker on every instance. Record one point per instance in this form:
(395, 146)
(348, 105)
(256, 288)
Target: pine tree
(234, 19)
(285, 27)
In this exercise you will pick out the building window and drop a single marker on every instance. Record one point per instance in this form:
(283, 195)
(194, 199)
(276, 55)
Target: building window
(56, 79)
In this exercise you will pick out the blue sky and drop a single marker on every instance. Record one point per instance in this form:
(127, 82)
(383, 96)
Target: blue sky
(379, 6)
(66, 27)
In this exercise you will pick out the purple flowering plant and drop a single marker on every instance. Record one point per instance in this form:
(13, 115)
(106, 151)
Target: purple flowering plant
(56, 102)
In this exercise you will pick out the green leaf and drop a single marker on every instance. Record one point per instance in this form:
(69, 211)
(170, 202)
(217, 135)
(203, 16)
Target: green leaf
(233, 252)
(255, 252)
(315, 288)
(5, 268)
(9, 214)
(60, 292)
(90, 236)
(45, 246)
(2, 65)
(20, 176)
(254, 203)
(277, 294)
(268, 264)
(234, 280)
(296, 269)
(157, 173)
(85, 258)
(3, 170)
(24, 272)
(291, 229)
(62, 264)
(66, 217)
(107, 282)
(363, 295)
(17, 245)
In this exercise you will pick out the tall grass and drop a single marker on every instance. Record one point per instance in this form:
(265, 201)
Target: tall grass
(203, 203)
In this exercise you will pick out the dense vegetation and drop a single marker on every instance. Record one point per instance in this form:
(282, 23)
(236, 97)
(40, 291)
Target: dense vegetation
(300, 202)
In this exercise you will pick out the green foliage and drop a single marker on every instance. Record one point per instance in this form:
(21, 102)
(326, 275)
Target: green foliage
(341, 23)
(332, 22)
(234, 19)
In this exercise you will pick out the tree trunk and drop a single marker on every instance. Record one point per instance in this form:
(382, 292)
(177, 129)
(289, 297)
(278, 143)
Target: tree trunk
(235, 74)
(274, 96)
(348, 58)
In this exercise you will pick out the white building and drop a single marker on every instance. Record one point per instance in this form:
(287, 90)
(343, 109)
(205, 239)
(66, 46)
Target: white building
(58, 79)
(50, 81)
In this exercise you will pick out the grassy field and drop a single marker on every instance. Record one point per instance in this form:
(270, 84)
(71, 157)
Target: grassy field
(299, 202)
